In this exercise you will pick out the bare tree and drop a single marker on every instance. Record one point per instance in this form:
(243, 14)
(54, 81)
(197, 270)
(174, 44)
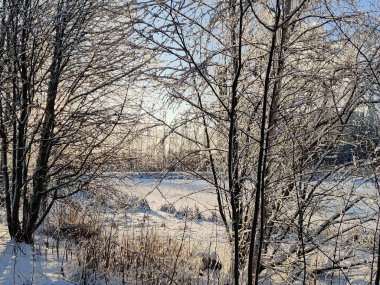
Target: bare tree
(273, 86)
(65, 68)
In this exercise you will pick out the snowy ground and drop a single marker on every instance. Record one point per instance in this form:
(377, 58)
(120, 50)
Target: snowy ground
(196, 195)
(46, 263)
(22, 264)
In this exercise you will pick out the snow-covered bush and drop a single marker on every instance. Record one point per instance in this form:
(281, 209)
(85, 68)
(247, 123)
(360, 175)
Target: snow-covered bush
(189, 213)
(213, 217)
(136, 204)
(73, 221)
(168, 208)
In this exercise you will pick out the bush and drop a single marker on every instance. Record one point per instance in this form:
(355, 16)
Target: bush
(135, 203)
(213, 217)
(189, 213)
(168, 208)
(73, 222)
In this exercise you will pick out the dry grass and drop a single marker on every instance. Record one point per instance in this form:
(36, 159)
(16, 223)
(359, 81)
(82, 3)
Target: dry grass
(105, 254)
(141, 257)
(73, 222)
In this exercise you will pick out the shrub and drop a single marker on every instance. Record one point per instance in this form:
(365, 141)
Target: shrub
(73, 222)
(213, 217)
(168, 208)
(189, 213)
